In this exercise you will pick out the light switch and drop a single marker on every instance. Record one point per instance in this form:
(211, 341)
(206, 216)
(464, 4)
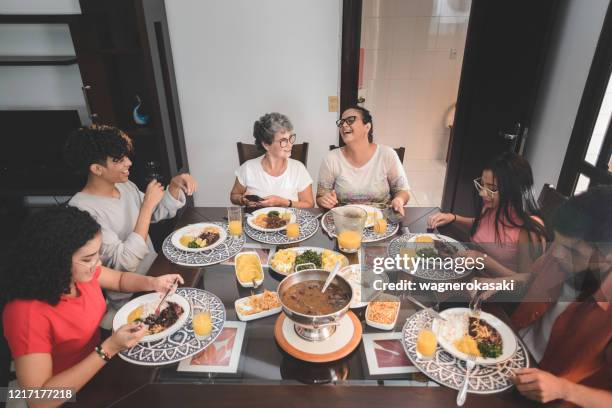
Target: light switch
(332, 103)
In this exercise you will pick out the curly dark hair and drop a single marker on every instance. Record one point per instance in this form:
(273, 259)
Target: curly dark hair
(93, 145)
(41, 265)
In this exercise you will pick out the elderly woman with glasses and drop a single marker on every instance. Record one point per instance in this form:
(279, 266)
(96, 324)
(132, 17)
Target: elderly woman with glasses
(507, 225)
(361, 171)
(273, 179)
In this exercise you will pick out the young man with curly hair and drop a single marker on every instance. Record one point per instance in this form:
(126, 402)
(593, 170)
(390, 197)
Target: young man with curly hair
(123, 211)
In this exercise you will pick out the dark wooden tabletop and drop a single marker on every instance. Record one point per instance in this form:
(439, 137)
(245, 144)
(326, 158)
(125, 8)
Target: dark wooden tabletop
(271, 378)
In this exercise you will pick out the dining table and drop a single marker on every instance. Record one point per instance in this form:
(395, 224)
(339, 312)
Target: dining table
(268, 376)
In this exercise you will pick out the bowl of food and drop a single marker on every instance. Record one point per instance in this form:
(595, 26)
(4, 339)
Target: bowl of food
(482, 335)
(314, 313)
(290, 260)
(198, 237)
(271, 219)
(382, 312)
(173, 314)
(249, 271)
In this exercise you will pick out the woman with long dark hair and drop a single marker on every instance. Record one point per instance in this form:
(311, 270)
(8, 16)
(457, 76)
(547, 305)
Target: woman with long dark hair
(53, 302)
(506, 224)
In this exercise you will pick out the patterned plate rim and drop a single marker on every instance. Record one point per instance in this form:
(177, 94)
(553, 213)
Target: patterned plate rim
(251, 232)
(388, 234)
(419, 272)
(520, 347)
(230, 239)
(189, 355)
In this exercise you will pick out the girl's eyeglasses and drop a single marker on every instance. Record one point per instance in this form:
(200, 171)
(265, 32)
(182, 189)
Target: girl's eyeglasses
(92, 264)
(284, 141)
(479, 187)
(349, 121)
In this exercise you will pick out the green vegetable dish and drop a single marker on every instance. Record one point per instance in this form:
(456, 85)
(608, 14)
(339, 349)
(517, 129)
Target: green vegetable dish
(309, 256)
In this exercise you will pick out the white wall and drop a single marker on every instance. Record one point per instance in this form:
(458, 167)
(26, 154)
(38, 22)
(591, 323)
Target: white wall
(238, 59)
(564, 80)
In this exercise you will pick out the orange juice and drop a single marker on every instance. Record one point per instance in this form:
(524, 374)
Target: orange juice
(349, 240)
(235, 227)
(202, 324)
(380, 226)
(293, 230)
(426, 343)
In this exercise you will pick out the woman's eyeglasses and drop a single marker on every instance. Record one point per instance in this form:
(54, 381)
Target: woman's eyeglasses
(348, 120)
(91, 264)
(479, 187)
(284, 141)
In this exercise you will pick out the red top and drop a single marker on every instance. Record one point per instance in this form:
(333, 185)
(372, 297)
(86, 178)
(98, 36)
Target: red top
(68, 330)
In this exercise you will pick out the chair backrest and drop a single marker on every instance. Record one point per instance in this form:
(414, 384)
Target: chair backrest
(250, 151)
(549, 200)
(399, 150)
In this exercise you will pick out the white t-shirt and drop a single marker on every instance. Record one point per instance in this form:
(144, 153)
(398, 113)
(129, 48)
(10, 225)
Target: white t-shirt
(377, 181)
(294, 180)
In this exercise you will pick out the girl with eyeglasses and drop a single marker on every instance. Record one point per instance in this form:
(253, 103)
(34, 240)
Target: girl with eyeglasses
(361, 171)
(275, 178)
(53, 301)
(507, 224)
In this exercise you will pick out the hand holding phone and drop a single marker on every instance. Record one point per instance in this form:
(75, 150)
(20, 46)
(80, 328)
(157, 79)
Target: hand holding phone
(253, 198)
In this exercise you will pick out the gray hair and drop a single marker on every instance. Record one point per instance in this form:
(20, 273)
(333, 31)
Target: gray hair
(266, 127)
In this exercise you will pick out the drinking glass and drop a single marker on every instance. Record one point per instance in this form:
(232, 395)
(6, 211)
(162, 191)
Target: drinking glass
(349, 223)
(234, 218)
(202, 322)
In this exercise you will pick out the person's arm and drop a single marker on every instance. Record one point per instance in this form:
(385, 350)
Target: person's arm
(542, 386)
(35, 370)
(182, 182)
(132, 282)
(528, 251)
(305, 198)
(440, 219)
(326, 195)
(400, 200)
(237, 195)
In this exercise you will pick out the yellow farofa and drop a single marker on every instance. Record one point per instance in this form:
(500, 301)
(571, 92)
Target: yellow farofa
(382, 312)
(260, 303)
(248, 268)
(467, 345)
(284, 260)
(329, 259)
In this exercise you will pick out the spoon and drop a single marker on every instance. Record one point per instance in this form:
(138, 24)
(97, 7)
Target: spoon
(331, 277)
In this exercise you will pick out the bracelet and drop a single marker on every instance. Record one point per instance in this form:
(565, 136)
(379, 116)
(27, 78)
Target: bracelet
(455, 219)
(103, 354)
(290, 203)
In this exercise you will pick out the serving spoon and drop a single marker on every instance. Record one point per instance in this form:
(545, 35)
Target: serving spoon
(331, 277)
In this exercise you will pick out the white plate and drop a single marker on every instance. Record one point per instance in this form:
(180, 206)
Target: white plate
(439, 237)
(248, 284)
(373, 213)
(153, 298)
(384, 297)
(195, 230)
(300, 250)
(246, 318)
(354, 275)
(266, 210)
(447, 334)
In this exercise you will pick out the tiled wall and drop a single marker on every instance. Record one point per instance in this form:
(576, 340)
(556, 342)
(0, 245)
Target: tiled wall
(413, 55)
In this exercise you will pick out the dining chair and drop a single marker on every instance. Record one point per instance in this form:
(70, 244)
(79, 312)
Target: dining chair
(549, 200)
(399, 150)
(250, 151)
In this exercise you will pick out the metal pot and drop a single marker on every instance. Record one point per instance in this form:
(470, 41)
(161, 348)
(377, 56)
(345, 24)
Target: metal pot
(313, 327)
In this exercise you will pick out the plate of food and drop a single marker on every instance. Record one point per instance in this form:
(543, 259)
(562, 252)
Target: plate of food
(173, 314)
(198, 237)
(257, 306)
(374, 214)
(435, 245)
(271, 219)
(382, 312)
(285, 261)
(482, 335)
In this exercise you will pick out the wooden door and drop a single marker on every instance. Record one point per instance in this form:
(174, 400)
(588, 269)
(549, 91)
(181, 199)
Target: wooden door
(506, 48)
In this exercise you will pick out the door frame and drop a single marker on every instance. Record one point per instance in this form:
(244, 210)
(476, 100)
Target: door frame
(574, 162)
(349, 62)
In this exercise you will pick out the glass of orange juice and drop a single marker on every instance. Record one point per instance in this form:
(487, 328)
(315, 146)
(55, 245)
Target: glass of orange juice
(293, 230)
(380, 225)
(234, 218)
(202, 323)
(426, 343)
(349, 223)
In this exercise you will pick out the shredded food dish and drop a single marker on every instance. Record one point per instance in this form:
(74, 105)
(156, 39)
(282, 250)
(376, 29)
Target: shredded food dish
(260, 303)
(383, 312)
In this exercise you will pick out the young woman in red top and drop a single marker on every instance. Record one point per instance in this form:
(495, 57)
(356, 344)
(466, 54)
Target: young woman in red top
(53, 302)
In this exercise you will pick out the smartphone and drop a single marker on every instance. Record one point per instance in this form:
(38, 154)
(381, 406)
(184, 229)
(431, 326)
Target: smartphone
(254, 198)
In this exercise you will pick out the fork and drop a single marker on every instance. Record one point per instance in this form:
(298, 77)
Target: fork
(469, 366)
(474, 305)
